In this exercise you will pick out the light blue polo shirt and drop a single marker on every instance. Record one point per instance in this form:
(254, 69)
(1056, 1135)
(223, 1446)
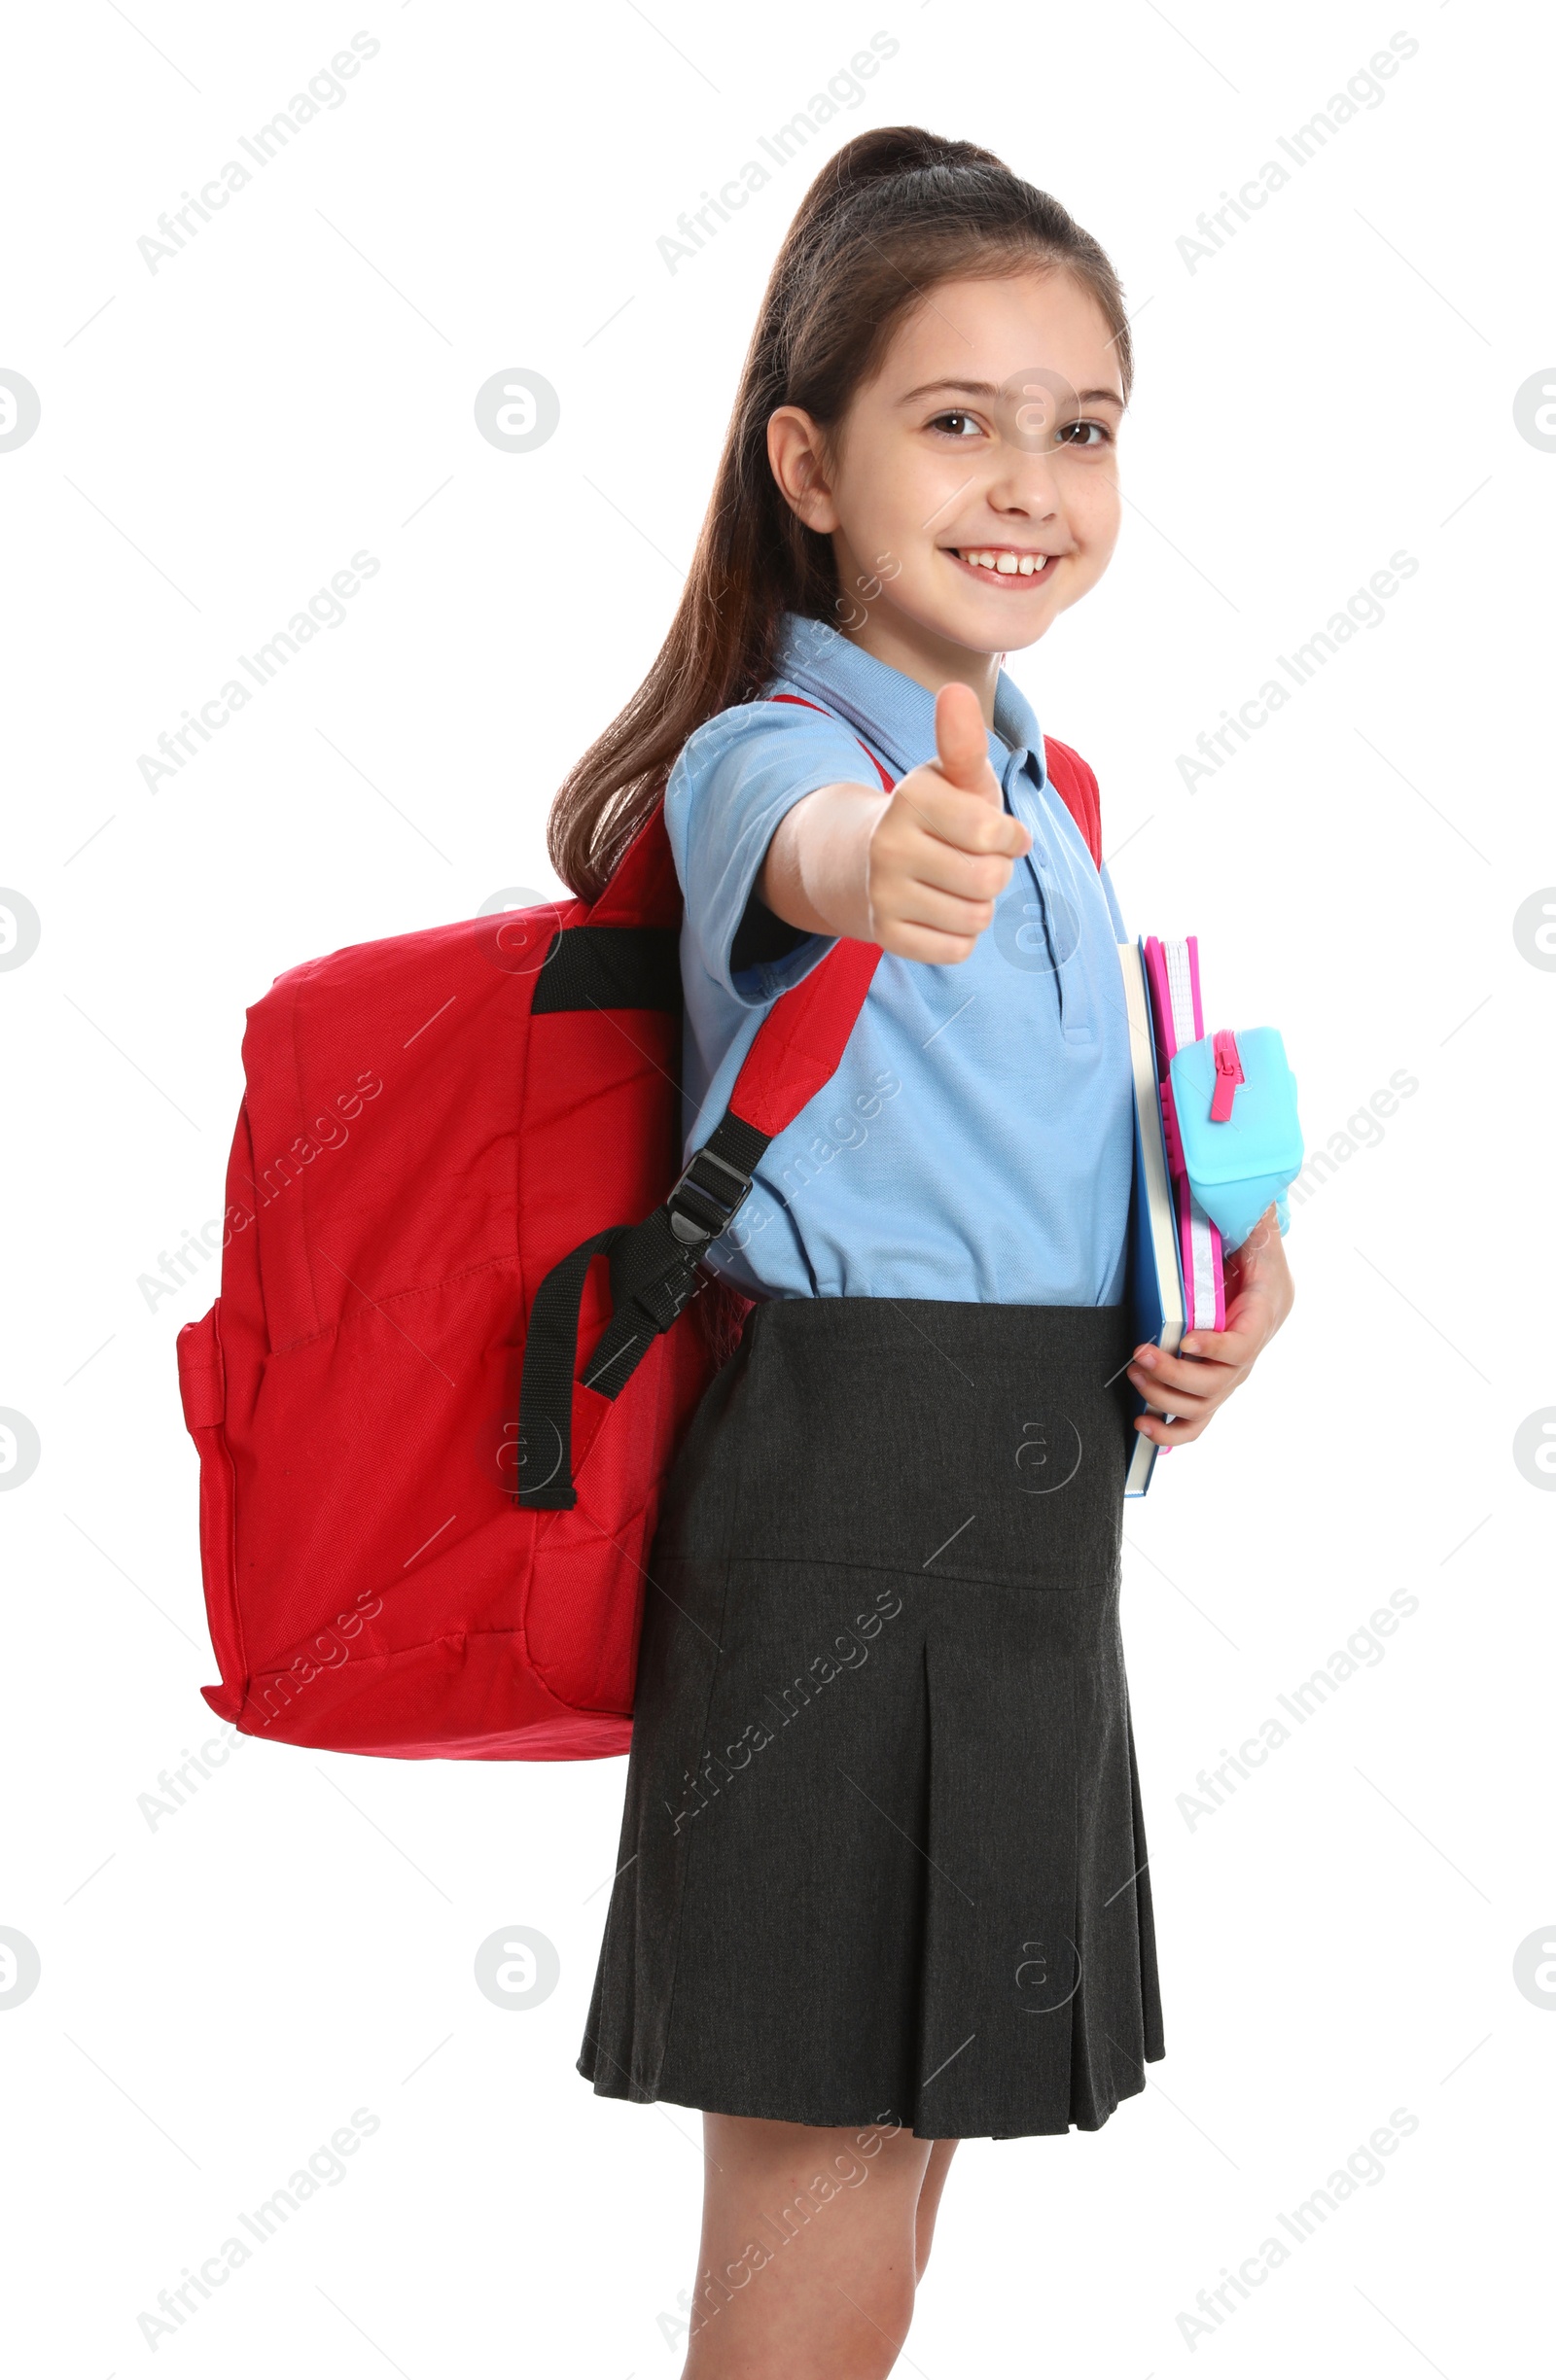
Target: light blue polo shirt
(977, 1141)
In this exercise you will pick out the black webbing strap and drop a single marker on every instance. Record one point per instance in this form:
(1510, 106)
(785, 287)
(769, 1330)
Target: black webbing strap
(654, 1277)
(546, 1389)
(609, 966)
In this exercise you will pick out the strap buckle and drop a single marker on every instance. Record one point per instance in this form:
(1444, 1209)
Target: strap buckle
(700, 1208)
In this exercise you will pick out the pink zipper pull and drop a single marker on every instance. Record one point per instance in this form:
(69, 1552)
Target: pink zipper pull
(1228, 1074)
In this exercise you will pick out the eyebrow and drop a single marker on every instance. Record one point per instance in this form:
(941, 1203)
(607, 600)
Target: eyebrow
(986, 388)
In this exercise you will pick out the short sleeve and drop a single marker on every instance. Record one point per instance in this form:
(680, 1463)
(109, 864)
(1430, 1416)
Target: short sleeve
(1113, 910)
(736, 777)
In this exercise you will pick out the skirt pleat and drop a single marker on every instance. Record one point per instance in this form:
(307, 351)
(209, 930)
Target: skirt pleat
(882, 1856)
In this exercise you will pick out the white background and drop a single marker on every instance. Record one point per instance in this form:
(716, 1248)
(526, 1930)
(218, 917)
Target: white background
(217, 438)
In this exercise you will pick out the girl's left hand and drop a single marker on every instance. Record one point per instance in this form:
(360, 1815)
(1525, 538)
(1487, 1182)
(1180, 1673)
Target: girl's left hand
(1259, 1298)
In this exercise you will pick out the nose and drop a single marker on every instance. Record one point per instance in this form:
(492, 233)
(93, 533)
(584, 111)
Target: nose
(1026, 486)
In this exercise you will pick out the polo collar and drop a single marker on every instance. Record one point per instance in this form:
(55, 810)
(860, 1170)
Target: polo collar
(891, 711)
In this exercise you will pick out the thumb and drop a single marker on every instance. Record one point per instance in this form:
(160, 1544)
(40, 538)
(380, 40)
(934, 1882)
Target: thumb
(962, 743)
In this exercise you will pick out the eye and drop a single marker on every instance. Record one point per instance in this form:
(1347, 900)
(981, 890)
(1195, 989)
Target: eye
(942, 420)
(1087, 435)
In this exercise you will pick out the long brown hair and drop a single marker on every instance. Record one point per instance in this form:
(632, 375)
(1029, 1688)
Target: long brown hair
(892, 214)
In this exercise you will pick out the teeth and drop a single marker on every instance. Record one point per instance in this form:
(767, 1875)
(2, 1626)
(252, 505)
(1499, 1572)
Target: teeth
(1009, 565)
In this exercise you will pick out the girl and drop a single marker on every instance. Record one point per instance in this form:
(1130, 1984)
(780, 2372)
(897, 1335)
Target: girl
(882, 1876)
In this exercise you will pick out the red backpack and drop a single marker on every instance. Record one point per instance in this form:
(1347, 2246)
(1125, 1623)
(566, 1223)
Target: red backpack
(424, 1514)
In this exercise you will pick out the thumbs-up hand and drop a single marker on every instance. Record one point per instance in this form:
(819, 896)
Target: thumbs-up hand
(917, 870)
(942, 849)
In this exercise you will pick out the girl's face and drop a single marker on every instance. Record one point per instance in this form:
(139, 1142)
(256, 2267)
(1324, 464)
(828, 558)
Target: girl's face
(970, 491)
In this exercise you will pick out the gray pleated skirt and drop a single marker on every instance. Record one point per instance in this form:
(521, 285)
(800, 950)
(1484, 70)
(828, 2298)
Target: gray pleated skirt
(882, 1857)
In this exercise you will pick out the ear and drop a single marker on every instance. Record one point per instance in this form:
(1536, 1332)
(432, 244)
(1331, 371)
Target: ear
(796, 453)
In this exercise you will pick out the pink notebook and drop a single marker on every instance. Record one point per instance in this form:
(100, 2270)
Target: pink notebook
(1172, 973)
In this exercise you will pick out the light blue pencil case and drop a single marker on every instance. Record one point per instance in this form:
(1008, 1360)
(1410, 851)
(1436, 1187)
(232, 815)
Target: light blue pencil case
(1235, 1098)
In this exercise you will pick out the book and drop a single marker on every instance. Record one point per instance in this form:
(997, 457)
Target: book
(1155, 1279)
(1172, 979)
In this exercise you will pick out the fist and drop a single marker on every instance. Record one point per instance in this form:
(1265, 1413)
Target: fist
(942, 849)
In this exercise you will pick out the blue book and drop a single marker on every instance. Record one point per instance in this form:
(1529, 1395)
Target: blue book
(1155, 1276)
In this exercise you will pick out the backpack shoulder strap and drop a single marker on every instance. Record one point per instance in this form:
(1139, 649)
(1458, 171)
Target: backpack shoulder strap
(802, 704)
(797, 1049)
(1076, 788)
(653, 1264)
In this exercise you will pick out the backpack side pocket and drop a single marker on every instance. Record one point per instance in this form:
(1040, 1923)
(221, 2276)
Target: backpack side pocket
(203, 1387)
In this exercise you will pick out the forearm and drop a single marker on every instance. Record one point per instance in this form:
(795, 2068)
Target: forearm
(815, 876)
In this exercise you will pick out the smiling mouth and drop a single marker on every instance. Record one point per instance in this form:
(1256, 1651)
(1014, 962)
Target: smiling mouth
(1023, 564)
